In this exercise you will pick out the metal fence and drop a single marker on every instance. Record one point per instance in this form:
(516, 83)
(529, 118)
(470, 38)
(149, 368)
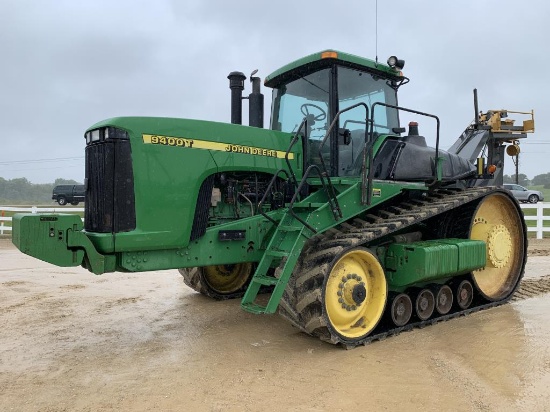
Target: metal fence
(539, 218)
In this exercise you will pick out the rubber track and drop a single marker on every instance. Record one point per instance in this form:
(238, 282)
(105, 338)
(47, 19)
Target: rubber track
(301, 303)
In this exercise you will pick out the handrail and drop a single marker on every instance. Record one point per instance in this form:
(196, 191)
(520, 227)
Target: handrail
(499, 124)
(292, 143)
(292, 175)
(293, 200)
(332, 195)
(371, 170)
(260, 204)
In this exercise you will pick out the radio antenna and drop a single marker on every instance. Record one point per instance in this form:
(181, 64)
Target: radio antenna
(376, 30)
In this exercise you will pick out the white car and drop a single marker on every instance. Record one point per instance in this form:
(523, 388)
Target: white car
(525, 195)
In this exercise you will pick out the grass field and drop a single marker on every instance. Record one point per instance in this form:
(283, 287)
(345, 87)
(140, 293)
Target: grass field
(545, 192)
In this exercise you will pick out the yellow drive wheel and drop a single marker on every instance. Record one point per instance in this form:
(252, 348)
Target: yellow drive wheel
(355, 294)
(498, 222)
(226, 279)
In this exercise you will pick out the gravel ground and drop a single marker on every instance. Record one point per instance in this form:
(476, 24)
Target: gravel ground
(72, 341)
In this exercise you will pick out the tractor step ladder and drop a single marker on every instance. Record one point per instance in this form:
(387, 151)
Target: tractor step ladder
(285, 246)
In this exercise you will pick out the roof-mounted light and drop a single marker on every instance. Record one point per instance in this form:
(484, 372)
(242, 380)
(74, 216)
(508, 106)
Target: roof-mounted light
(329, 55)
(395, 63)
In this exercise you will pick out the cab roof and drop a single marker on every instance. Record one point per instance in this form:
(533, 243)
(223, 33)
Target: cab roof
(326, 58)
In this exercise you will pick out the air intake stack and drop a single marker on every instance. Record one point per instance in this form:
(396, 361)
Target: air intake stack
(236, 84)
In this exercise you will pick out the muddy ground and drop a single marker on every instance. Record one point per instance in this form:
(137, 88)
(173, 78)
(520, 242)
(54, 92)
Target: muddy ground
(72, 341)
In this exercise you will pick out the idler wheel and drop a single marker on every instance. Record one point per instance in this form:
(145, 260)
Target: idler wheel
(464, 294)
(444, 300)
(401, 309)
(425, 303)
(355, 294)
(499, 223)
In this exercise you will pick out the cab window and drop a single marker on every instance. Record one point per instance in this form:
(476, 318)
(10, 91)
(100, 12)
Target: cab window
(355, 87)
(307, 96)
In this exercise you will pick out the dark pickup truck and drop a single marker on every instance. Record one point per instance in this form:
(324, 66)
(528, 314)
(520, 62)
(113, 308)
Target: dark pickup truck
(72, 194)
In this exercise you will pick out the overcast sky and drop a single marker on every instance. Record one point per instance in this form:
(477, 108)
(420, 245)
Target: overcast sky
(68, 64)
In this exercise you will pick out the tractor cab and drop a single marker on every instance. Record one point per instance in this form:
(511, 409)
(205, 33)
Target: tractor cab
(319, 86)
(344, 95)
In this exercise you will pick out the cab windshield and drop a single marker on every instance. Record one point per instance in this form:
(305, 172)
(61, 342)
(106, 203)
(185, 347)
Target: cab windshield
(295, 100)
(310, 96)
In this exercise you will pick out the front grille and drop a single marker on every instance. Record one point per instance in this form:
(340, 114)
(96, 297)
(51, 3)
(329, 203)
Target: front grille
(110, 202)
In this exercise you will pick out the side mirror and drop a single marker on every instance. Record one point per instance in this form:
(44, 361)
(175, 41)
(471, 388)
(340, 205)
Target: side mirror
(344, 136)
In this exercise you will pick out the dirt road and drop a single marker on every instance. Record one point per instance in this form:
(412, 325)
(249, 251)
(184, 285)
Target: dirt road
(72, 341)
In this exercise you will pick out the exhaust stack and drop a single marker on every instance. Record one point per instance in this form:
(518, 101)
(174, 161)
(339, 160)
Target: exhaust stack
(255, 99)
(255, 103)
(476, 109)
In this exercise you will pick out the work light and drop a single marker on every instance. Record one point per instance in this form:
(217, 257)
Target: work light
(95, 135)
(395, 63)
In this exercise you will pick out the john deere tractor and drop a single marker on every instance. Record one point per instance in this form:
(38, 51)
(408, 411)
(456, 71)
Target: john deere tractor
(351, 226)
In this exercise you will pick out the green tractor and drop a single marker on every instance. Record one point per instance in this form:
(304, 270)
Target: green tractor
(349, 225)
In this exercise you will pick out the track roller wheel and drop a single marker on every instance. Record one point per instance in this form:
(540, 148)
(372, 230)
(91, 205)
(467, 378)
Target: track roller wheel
(354, 294)
(424, 304)
(218, 281)
(444, 300)
(401, 309)
(499, 223)
(464, 294)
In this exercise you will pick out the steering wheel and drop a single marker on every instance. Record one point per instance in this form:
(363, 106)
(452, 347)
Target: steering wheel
(305, 111)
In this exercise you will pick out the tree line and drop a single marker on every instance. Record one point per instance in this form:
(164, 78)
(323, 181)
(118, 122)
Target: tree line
(523, 180)
(20, 191)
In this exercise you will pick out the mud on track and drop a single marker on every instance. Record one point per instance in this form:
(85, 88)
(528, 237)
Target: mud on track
(72, 341)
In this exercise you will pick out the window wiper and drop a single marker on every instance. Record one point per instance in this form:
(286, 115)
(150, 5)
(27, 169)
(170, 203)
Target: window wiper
(313, 84)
